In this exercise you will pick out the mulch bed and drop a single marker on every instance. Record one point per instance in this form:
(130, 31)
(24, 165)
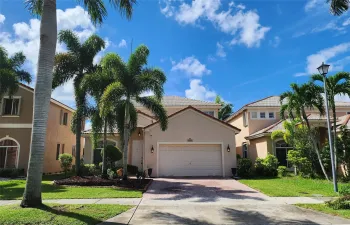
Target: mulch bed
(96, 181)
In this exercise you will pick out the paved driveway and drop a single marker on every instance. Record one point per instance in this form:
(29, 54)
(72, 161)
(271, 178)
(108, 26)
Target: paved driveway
(215, 201)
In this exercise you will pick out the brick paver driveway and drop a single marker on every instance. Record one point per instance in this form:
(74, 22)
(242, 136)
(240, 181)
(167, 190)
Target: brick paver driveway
(201, 190)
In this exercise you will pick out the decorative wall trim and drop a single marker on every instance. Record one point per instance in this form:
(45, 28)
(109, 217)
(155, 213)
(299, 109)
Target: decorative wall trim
(16, 125)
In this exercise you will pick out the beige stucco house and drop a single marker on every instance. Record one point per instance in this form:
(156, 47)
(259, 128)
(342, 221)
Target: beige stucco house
(257, 120)
(16, 119)
(196, 142)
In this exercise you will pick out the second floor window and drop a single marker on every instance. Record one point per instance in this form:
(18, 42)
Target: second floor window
(210, 113)
(262, 115)
(10, 107)
(63, 118)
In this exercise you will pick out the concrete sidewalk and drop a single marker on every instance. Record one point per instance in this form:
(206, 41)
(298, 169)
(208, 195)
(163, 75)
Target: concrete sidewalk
(189, 201)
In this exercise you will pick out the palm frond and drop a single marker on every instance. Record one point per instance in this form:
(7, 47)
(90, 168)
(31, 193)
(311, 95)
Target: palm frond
(91, 47)
(336, 78)
(125, 7)
(114, 65)
(35, 7)
(156, 108)
(137, 60)
(96, 10)
(66, 66)
(338, 7)
(17, 60)
(151, 80)
(24, 76)
(112, 95)
(8, 81)
(70, 39)
(317, 77)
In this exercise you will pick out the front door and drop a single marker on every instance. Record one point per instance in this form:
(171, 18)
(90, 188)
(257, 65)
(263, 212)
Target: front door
(137, 154)
(281, 155)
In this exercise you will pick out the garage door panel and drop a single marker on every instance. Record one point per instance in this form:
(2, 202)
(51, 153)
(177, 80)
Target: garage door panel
(190, 160)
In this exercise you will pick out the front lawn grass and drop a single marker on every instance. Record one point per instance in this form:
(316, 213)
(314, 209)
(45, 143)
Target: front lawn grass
(325, 209)
(13, 189)
(291, 186)
(59, 214)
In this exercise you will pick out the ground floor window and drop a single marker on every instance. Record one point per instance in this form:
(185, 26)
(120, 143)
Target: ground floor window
(282, 149)
(8, 153)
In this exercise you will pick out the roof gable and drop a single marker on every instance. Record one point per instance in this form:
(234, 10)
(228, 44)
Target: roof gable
(200, 112)
(173, 101)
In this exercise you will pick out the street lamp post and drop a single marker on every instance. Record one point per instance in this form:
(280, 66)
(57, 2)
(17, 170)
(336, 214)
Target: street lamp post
(323, 70)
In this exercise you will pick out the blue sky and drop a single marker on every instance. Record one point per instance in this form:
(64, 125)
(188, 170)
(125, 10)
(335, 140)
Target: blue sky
(241, 50)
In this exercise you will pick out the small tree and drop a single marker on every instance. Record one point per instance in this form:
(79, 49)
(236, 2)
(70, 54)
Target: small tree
(113, 154)
(344, 149)
(66, 162)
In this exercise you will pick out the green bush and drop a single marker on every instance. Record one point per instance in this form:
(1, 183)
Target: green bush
(65, 162)
(282, 171)
(113, 154)
(244, 167)
(339, 203)
(90, 170)
(111, 174)
(345, 190)
(11, 172)
(267, 166)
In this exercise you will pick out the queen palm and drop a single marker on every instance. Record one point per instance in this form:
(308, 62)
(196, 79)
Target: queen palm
(295, 102)
(132, 79)
(95, 84)
(75, 64)
(46, 9)
(225, 110)
(338, 84)
(11, 73)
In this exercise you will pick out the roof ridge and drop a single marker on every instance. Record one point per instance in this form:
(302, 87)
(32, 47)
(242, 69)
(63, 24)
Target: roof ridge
(262, 99)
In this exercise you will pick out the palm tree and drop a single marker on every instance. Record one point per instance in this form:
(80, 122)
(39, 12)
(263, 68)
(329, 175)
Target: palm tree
(10, 72)
(338, 84)
(95, 84)
(48, 38)
(75, 64)
(131, 80)
(225, 110)
(338, 7)
(301, 97)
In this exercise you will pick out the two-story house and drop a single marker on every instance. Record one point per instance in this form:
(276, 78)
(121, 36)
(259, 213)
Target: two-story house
(257, 120)
(196, 142)
(16, 119)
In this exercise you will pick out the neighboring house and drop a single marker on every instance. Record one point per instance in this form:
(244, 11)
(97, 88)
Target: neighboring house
(196, 142)
(16, 120)
(257, 120)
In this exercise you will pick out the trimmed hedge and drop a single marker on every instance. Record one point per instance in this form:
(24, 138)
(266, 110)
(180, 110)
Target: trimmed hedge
(11, 172)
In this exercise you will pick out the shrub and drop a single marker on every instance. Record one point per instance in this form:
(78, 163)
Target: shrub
(267, 166)
(111, 174)
(66, 162)
(90, 170)
(113, 154)
(244, 167)
(11, 172)
(339, 203)
(345, 190)
(282, 171)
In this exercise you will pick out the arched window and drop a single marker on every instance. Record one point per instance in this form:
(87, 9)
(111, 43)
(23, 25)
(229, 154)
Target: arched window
(282, 149)
(9, 150)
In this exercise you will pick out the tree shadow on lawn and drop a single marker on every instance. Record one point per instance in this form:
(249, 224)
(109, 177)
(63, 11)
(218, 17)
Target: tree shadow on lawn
(83, 218)
(14, 191)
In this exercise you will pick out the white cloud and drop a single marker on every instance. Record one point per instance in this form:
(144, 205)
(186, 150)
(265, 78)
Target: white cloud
(311, 4)
(2, 18)
(198, 91)
(342, 98)
(220, 50)
(147, 93)
(346, 22)
(25, 37)
(300, 74)
(325, 55)
(122, 44)
(329, 26)
(243, 25)
(298, 34)
(191, 66)
(275, 42)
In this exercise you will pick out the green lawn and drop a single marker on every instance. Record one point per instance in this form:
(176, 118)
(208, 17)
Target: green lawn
(59, 214)
(323, 208)
(291, 186)
(13, 189)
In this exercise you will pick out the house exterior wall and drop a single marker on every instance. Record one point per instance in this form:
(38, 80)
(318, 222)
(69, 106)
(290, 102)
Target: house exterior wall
(190, 124)
(239, 138)
(258, 124)
(259, 148)
(19, 128)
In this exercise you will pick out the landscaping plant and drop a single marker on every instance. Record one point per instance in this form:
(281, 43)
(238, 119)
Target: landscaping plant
(282, 171)
(244, 167)
(113, 154)
(65, 162)
(267, 166)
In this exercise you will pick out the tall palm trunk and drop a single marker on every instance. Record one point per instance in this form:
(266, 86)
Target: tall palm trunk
(314, 143)
(126, 139)
(334, 135)
(42, 96)
(104, 159)
(78, 136)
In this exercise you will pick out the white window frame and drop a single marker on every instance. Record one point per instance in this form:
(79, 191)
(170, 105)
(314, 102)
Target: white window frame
(19, 105)
(262, 113)
(267, 115)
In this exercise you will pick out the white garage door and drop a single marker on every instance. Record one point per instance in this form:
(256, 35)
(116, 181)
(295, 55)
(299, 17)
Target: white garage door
(190, 160)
